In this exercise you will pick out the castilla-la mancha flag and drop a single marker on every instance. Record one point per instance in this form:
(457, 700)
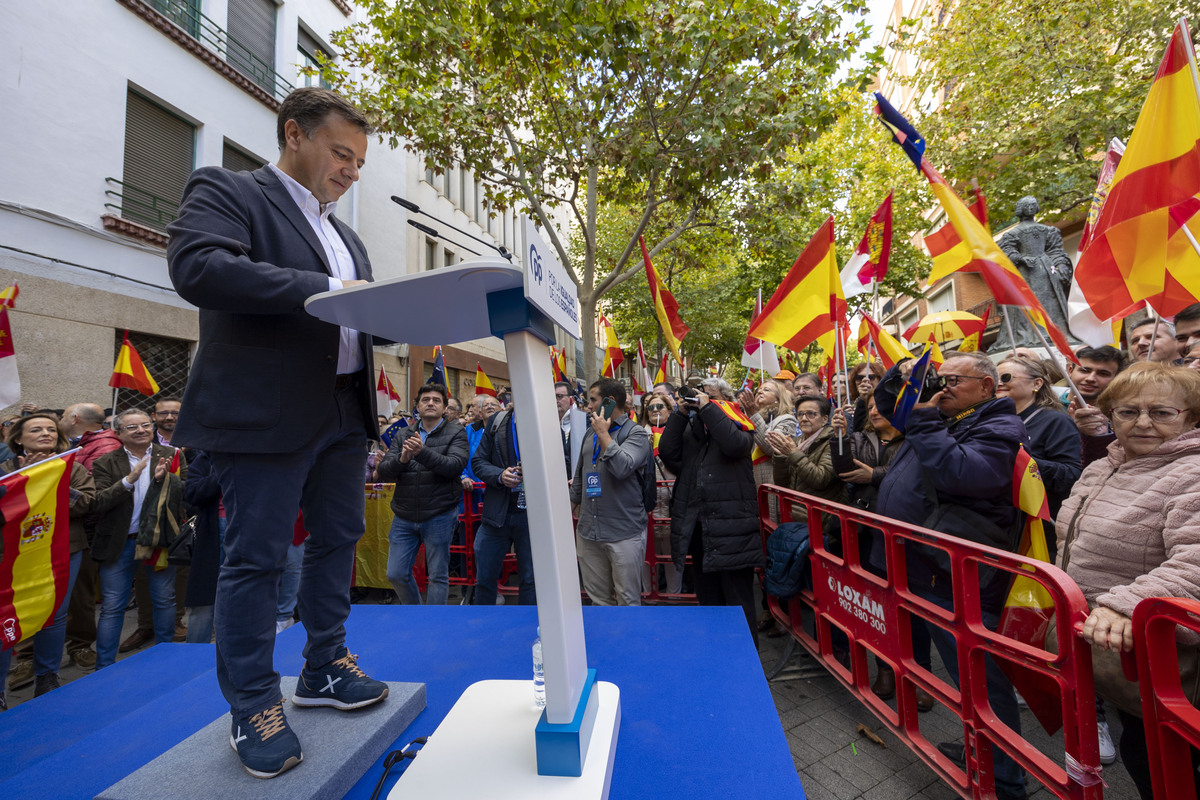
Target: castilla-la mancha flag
(36, 565)
(10, 381)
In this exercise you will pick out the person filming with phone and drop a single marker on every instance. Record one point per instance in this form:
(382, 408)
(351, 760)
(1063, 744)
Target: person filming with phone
(607, 495)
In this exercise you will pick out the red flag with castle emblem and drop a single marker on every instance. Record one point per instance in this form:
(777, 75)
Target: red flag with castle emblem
(36, 565)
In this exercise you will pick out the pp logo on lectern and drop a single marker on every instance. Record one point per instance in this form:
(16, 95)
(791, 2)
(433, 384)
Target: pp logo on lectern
(535, 263)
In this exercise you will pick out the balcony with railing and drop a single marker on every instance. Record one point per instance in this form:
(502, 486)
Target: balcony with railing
(138, 213)
(182, 21)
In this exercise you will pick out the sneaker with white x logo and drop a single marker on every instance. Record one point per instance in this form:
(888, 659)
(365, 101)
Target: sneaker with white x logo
(265, 742)
(339, 684)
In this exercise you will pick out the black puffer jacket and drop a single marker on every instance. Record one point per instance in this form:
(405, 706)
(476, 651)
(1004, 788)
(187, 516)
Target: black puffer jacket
(430, 483)
(714, 485)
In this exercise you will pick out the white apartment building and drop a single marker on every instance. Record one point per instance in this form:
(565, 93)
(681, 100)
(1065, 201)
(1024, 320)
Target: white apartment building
(110, 104)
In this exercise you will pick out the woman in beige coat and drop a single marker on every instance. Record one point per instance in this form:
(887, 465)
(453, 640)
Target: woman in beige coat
(1130, 529)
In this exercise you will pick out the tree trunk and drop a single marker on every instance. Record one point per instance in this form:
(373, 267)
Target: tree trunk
(587, 325)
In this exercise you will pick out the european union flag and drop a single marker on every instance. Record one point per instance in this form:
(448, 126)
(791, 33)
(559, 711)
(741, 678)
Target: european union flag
(910, 392)
(388, 435)
(439, 367)
(902, 130)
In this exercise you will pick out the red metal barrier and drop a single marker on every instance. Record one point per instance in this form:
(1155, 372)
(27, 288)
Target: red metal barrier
(876, 614)
(471, 518)
(1172, 722)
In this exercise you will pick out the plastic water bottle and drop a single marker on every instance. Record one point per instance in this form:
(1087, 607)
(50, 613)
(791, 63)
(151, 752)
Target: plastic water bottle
(539, 672)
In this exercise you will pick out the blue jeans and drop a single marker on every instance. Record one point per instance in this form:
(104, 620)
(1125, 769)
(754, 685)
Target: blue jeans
(404, 540)
(116, 580)
(262, 493)
(491, 546)
(48, 643)
(1000, 693)
(289, 584)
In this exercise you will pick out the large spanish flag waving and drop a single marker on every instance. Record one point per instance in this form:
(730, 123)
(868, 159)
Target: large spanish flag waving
(665, 308)
(36, 565)
(805, 306)
(1144, 244)
(130, 373)
(986, 257)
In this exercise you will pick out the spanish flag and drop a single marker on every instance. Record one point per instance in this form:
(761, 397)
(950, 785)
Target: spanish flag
(1143, 245)
(661, 375)
(949, 252)
(8, 296)
(986, 257)
(971, 343)
(482, 384)
(735, 413)
(130, 373)
(665, 307)
(1029, 607)
(613, 357)
(655, 435)
(36, 565)
(558, 363)
(806, 305)
(886, 347)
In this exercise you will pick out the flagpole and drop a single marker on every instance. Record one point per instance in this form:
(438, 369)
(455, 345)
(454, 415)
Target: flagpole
(1066, 368)
(114, 405)
(1012, 340)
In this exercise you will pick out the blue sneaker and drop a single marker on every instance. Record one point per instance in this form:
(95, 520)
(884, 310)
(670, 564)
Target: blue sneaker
(339, 684)
(265, 742)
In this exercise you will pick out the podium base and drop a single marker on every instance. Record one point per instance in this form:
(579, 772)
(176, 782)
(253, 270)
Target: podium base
(485, 748)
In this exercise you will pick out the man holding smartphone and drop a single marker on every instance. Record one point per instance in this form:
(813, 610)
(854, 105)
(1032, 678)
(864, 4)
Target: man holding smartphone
(607, 496)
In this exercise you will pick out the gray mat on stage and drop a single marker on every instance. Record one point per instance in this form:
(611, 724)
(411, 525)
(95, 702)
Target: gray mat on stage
(339, 747)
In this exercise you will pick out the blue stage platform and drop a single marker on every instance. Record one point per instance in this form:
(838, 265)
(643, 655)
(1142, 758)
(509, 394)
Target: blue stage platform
(697, 716)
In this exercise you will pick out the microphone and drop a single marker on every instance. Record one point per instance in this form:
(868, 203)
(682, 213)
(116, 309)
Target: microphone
(412, 207)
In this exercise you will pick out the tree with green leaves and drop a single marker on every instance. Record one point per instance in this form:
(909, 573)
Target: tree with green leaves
(575, 105)
(1026, 96)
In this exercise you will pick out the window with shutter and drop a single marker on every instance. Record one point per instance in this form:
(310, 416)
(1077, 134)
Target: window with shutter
(310, 49)
(160, 153)
(251, 45)
(238, 160)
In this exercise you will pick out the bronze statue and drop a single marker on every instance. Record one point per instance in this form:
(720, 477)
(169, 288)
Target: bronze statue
(1036, 251)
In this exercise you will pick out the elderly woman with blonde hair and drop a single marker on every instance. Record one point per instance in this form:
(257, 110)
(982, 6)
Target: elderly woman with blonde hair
(1130, 530)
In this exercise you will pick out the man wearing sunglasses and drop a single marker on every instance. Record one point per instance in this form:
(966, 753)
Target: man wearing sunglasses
(954, 474)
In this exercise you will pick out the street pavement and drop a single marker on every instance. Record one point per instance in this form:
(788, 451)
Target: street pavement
(835, 762)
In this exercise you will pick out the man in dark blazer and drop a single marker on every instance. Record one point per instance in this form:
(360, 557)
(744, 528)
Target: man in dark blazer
(284, 405)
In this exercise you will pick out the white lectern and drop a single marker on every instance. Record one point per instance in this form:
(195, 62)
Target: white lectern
(576, 735)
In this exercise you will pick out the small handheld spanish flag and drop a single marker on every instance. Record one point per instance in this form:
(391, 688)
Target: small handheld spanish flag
(130, 373)
(735, 413)
(482, 384)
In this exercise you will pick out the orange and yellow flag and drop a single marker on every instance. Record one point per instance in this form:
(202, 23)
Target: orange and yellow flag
(36, 565)
(130, 373)
(805, 307)
(482, 384)
(665, 308)
(1144, 243)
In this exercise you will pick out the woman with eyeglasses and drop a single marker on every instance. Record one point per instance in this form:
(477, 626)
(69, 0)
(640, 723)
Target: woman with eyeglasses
(654, 413)
(1054, 441)
(864, 377)
(770, 409)
(32, 439)
(1130, 530)
(805, 464)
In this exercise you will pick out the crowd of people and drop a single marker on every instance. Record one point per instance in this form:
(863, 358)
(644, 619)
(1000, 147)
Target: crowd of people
(1119, 468)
